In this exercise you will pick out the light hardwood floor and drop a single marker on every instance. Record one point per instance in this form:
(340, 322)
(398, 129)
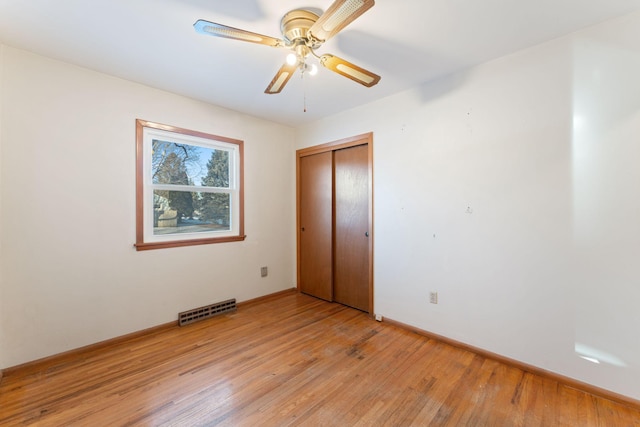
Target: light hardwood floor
(292, 360)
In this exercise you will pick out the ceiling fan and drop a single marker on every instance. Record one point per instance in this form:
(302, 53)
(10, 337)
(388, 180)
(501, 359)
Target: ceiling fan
(303, 32)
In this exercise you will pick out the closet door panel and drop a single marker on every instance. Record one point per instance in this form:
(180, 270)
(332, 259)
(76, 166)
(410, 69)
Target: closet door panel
(315, 233)
(351, 246)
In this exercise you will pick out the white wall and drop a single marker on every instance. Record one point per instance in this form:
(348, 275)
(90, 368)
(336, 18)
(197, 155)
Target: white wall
(70, 274)
(512, 190)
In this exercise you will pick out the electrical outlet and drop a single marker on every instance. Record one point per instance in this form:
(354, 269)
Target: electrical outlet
(433, 297)
(379, 317)
(264, 271)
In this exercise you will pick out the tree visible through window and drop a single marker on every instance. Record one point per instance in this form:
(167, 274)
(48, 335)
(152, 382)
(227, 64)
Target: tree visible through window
(189, 187)
(215, 206)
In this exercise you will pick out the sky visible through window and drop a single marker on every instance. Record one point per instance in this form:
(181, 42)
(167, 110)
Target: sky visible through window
(192, 160)
(197, 170)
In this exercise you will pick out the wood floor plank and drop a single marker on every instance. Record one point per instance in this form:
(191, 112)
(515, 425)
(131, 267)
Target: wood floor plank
(292, 361)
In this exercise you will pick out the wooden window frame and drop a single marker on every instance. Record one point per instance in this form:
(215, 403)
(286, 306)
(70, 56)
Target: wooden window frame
(141, 243)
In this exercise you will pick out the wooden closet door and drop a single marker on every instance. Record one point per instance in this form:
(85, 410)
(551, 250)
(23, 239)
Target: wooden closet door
(315, 233)
(351, 247)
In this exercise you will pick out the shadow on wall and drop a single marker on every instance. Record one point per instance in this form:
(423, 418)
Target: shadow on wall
(418, 69)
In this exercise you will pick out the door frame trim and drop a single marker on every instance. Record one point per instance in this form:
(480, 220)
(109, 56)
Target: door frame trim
(362, 139)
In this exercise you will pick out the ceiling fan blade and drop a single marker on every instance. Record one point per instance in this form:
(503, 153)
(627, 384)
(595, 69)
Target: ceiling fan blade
(219, 30)
(349, 70)
(281, 78)
(340, 14)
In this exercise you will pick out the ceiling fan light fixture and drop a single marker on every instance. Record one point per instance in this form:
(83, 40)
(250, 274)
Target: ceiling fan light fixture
(292, 59)
(310, 69)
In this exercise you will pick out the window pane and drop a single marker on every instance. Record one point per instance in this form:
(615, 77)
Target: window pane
(190, 212)
(185, 164)
(214, 207)
(217, 170)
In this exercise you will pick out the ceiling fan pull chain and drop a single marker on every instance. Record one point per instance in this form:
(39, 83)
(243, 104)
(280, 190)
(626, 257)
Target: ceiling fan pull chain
(304, 92)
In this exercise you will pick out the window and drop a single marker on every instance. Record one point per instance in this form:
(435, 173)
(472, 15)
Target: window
(189, 187)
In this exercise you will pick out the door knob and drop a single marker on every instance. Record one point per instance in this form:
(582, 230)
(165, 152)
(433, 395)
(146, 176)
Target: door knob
(366, 233)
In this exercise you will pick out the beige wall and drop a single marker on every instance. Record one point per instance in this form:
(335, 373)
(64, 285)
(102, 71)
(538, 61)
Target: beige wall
(70, 274)
(511, 189)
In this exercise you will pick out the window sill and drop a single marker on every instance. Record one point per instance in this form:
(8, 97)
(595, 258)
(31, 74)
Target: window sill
(194, 242)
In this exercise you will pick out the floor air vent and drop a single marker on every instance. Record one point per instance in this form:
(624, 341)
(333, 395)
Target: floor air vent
(206, 312)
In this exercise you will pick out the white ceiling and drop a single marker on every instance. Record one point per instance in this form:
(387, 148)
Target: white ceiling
(407, 42)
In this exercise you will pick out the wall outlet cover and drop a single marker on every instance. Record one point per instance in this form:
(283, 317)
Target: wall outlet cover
(433, 297)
